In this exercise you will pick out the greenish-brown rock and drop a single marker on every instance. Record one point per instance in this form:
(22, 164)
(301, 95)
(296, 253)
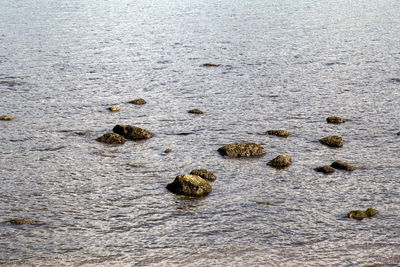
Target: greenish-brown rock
(132, 132)
(114, 109)
(195, 111)
(111, 138)
(190, 185)
(139, 101)
(342, 166)
(361, 214)
(211, 65)
(203, 173)
(23, 221)
(280, 133)
(335, 120)
(242, 150)
(6, 118)
(332, 141)
(280, 161)
(168, 150)
(325, 169)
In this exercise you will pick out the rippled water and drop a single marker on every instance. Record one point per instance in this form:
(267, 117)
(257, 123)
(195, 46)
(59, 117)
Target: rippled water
(284, 64)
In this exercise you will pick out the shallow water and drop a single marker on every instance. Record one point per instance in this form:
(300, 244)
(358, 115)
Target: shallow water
(284, 64)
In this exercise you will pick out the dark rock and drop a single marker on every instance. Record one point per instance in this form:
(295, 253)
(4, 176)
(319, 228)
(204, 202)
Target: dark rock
(242, 150)
(190, 185)
(132, 132)
(280, 133)
(325, 169)
(111, 138)
(280, 161)
(114, 109)
(396, 80)
(139, 101)
(23, 221)
(168, 150)
(80, 133)
(335, 120)
(195, 111)
(203, 173)
(6, 118)
(398, 133)
(211, 65)
(332, 141)
(361, 214)
(342, 166)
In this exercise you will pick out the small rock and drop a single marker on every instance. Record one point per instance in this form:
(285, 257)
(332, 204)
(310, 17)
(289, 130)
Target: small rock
(211, 65)
(332, 141)
(132, 132)
(342, 166)
(6, 118)
(139, 101)
(114, 109)
(280, 161)
(111, 138)
(280, 133)
(361, 214)
(190, 185)
(242, 150)
(203, 173)
(23, 221)
(396, 80)
(195, 111)
(80, 133)
(168, 150)
(398, 133)
(335, 120)
(325, 169)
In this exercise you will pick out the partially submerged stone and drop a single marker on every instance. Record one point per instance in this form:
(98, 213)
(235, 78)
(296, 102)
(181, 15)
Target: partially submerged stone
(242, 150)
(203, 173)
(132, 132)
(6, 118)
(139, 101)
(335, 120)
(168, 150)
(114, 109)
(111, 138)
(332, 141)
(22, 221)
(211, 65)
(398, 133)
(361, 214)
(342, 166)
(195, 111)
(325, 169)
(280, 161)
(280, 133)
(190, 185)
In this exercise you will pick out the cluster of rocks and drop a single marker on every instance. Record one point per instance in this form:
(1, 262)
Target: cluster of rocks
(123, 132)
(194, 184)
(337, 165)
(361, 214)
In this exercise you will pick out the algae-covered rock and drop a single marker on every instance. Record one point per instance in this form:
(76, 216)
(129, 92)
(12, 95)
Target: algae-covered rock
(361, 214)
(23, 221)
(190, 185)
(111, 138)
(195, 111)
(280, 133)
(139, 101)
(203, 173)
(371, 212)
(342, 166)
(114, 109)
(332, 141)
(335, 120)
(280, 161)
(132, 132)
(325, 169)
(6, 118)
(242, 150)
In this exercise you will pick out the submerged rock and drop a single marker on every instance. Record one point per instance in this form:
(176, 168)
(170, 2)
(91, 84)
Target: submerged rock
(280, 161)
(132, 132)
(203, 173)
(335, 120)
(195, 111)
(280, 133)
(23, 221)
(139, 101)
(114, 109)
(6, 118)
(342, 166)
(111, 138)
(361, 214)
(325, 169)
(332, 141)
(242, 150)
(190, 185)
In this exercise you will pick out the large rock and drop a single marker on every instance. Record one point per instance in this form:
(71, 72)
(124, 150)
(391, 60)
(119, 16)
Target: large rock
(111, 138)
(242, 150)
(361, 214)
(335, 120)
(203, 173)
(280, 161)
(190, 185)
(342, 166)
(332, 141)
(132, 132)
(6, 118)
(280, 133)
(325, 169)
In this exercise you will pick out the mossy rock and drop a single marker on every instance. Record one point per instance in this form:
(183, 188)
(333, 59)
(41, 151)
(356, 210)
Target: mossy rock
(361, 214)
(114, 109)
(132, 132)
(190, 185)
(139, 101)
(325, 169)
(6, 118)
(23, 221)
(111, 138)
(203, 173)
(332, 141)
(195, 111)
(335, 120)
(237, 150)
(281, 161)
(342, 166)
(280, 133)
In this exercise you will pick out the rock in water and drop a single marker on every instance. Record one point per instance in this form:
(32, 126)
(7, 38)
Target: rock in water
(342, 166)
(195, 111)
(6, 118)
(139, 101)
(190, 185)
(280, 133)
(280, 161)
(111, 138)
(361, 214)
(114, 109)
(335, 120)
(203, 173)
(132, 132)
(332, 141)
(325, 169)
(242, 150)
(211, 65)
(23, 221)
